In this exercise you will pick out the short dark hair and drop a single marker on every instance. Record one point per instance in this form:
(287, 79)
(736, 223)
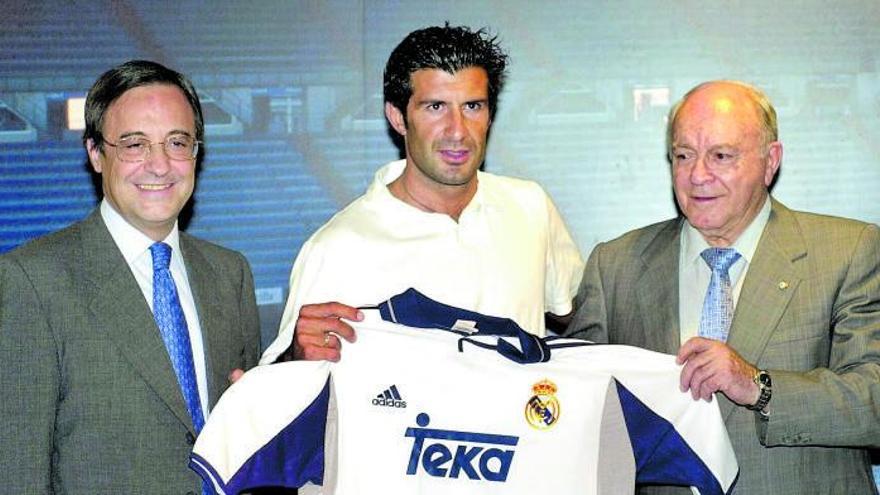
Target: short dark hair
(449, 49)
(129, 75)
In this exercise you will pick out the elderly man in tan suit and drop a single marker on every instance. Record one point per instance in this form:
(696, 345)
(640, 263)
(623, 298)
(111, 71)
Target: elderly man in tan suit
(774, 312)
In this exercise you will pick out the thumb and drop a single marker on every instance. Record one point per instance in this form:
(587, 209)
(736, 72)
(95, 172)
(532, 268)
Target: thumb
(235, 375)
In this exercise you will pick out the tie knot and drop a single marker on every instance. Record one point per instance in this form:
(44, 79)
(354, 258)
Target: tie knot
(161, 255)
(720, 259)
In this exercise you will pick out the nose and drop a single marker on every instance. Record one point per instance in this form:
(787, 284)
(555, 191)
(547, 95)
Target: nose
(700, 172)
(455, 126)
(158, 163)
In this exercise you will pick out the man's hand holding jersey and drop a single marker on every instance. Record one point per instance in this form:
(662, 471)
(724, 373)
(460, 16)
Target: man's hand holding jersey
(317, 333)
(711, 366)
(318, 330)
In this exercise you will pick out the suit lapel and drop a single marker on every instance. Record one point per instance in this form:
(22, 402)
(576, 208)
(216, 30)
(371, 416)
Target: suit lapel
(770, 283)
(658, 300)
(214, 316)
(118, 305)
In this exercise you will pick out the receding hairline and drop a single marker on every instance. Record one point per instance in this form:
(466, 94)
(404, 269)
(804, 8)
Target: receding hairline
(763, 109)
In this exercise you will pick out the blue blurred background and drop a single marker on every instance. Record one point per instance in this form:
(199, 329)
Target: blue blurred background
(292, 95)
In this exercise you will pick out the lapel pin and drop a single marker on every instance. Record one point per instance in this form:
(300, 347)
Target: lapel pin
(782, 285)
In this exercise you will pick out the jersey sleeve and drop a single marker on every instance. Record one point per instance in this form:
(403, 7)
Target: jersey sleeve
(662, 452)
(267, 430)
(676, 440)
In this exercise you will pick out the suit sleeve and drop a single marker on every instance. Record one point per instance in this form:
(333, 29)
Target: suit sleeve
(29, 384)
(250, 317)
(837, 405)
(590, 321)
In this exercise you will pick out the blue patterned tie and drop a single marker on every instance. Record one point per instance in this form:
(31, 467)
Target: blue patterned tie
(718, 305)
(172, 325)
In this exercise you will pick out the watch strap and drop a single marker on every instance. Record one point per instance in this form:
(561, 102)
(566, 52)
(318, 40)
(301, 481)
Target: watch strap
(764, 383)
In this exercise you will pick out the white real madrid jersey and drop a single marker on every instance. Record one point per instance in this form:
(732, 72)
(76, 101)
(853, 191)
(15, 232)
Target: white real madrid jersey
(436, 410)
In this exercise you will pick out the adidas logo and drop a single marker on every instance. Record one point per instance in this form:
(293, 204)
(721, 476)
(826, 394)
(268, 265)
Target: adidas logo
(390, 398)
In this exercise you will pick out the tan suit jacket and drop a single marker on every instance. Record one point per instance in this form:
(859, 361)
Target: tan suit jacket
(809, 312)
(90, 402)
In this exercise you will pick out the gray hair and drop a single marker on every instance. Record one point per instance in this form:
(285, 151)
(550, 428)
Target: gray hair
(760, 101)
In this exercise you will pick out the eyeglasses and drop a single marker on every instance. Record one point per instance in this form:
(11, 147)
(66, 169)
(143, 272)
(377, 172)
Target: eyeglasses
(137, 149)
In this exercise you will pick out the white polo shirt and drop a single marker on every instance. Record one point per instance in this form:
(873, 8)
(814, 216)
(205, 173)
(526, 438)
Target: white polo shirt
(509, 255)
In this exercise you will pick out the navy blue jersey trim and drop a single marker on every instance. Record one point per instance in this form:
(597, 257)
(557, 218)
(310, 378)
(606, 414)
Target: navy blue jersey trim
(662, 456)
(204, 469)
(414, 309)
(294, 457)
(532, 348)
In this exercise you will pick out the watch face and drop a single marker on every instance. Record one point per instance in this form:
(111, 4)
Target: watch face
(764, 378)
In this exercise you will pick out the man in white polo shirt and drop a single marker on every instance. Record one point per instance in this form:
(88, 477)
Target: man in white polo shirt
(433, 221)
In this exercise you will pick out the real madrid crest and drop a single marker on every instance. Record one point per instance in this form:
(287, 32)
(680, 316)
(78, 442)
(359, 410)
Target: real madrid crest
(542, 410)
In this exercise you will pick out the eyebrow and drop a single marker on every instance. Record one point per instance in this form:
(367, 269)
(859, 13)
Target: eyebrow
(173, 132)
(714, 146)
(131, 134)
(441, 100)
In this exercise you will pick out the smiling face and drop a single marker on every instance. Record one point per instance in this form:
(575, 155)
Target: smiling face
(446, 126)
(148, 194)
(721, 165)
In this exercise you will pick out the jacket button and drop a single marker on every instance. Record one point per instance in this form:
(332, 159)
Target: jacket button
(190, 438)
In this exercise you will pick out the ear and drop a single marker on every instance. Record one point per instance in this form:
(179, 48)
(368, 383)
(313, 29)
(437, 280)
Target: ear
(96, 158)
(774, 161)
(395, 118)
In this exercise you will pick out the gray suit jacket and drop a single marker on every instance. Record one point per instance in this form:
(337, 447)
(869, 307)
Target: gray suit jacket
(90, 402)
(809, 312)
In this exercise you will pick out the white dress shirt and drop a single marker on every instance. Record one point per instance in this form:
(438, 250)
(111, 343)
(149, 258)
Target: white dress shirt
(694, 274)
(135, 248)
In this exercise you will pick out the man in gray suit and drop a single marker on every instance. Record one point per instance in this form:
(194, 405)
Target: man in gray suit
(97, 395)
(786, 326)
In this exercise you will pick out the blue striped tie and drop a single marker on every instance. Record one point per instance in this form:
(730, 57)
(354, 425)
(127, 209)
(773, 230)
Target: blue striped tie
(718, 305)
(172, 325)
